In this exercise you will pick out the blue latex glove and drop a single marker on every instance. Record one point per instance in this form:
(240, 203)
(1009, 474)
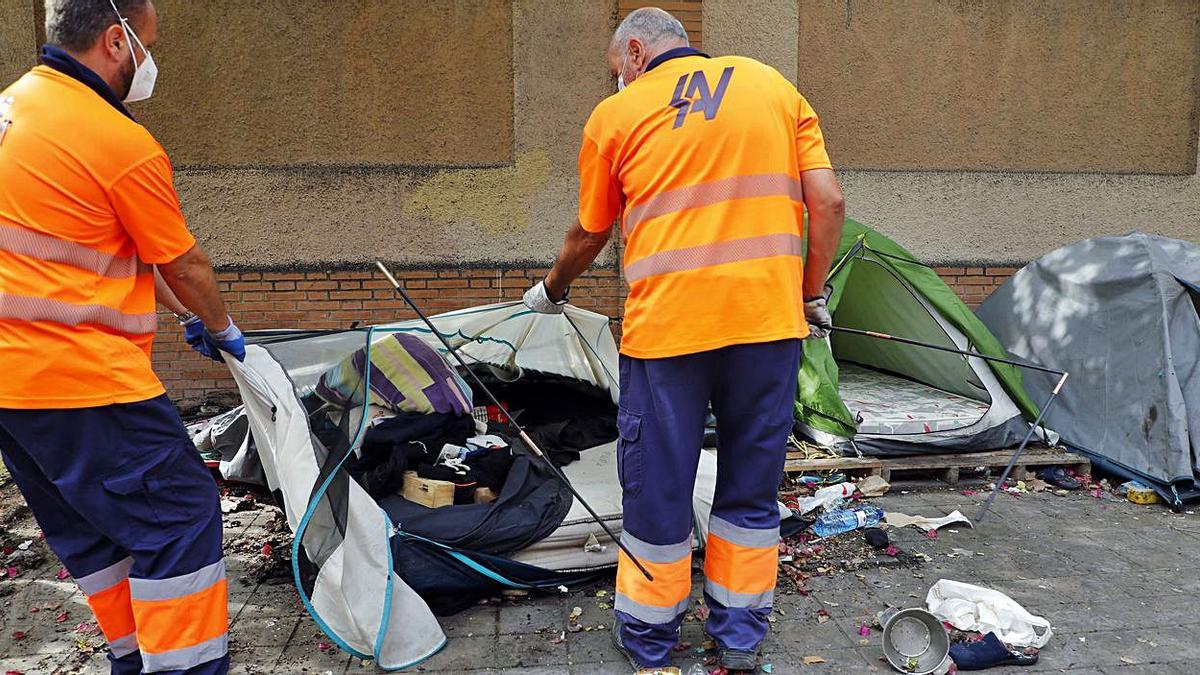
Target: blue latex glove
(193, 332)
(231, 341)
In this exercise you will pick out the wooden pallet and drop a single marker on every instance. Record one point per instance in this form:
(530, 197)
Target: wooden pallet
(947, 467)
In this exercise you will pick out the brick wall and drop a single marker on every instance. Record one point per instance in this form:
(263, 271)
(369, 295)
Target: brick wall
(338, 298)
(689, 12)
(974, 284)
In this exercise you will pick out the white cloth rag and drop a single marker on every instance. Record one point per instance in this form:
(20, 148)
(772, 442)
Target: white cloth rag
(975, 608)
(924, 522)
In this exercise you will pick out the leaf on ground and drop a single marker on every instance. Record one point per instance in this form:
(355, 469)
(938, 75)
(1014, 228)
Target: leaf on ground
(61, 618)
(62, 575)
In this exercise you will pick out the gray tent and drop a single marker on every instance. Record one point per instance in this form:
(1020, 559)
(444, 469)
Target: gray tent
(1122, 315)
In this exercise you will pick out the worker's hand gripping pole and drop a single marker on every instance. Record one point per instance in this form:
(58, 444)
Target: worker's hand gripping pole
(1062, 379)
(511, 422)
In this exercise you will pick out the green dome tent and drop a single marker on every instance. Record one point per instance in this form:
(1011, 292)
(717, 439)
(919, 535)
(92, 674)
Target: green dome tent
(894, 399)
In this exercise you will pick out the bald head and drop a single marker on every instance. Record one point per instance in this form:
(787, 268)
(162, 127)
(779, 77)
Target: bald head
(643, 34)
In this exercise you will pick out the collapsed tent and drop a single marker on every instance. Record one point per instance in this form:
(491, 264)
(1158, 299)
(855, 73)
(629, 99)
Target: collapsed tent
(890, 398)
(1120, 314)
(372, 567)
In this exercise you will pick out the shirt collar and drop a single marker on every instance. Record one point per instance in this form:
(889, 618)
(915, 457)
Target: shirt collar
(60, 60)
(675, 53)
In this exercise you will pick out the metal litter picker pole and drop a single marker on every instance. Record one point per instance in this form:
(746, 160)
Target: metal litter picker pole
(1062, 379)
(511, 422)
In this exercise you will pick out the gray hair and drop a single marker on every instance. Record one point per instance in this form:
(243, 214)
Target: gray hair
(651, 25)
(75, 25)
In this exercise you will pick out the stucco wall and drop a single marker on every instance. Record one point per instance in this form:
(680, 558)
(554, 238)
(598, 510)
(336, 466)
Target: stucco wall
(1070, 85)
(370, 82)
(17, 39)
(264, 185)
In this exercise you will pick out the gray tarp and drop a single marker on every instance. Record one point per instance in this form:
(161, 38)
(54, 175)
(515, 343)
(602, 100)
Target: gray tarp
(1121, 315)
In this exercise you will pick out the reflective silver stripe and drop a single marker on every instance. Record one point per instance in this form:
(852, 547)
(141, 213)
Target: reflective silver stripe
(106, 578)
(123, 646)
(743, 536)
(650, 613)
(188, 657)
(716, 253)
(713, 192)
(177, 587)
(25, 308)
(52, 249)
(741, 600)
(657, 553)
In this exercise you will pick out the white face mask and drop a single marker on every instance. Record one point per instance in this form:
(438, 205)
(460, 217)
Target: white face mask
(621, 73)
(145, 75)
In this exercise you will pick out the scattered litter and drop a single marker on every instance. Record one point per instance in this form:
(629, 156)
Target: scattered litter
(325, 646)
(61, 618)
(62, 575)
(18, 635)
(925, 523)
(822, 615)
(969, 493)
(974, 608)
(864, 630)
(601, 593)
(877, 537)
(813, 660)
(873, 486)
(892, 551)
(563, 589)
(767, 668)
(559, 639)
(845, 520)
(682, 646)
(266, 550)
(573, 625)
(825, 497)
(702, 612)
(1139, 493)
(593, 545)
(24, 546)
(1127, 660)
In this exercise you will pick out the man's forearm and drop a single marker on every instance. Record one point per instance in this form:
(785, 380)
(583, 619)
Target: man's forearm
(165, 296)
(826, 215)
(190, 277)
(579, 251)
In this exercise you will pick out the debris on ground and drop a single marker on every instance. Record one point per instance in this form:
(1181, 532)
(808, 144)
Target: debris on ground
(873, 486)
(926, 523)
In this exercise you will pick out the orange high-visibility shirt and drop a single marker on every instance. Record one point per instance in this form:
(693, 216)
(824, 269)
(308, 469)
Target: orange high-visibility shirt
(701, 157)
(87, 205)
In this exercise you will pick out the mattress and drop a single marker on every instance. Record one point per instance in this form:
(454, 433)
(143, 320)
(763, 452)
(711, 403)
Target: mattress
(891, 405)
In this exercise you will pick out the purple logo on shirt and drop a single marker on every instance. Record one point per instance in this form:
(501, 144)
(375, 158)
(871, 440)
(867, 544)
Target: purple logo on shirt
(692, 95)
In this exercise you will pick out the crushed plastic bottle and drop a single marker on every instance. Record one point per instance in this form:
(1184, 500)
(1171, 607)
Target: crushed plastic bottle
(845, 520)
(826, 496)
(697, 669)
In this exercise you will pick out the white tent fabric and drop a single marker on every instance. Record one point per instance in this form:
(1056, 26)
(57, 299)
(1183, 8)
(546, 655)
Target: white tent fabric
(357, 599)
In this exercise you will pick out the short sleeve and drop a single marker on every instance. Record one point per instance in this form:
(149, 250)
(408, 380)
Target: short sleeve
(810, 143)
(599, 192)
(148, 208)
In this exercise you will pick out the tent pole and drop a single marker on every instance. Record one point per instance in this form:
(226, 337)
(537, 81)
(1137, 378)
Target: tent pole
(952, 350)
(1020, 448)
(517, 427)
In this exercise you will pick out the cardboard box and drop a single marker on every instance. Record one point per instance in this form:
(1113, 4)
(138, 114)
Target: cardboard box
(484, 496)
(426, 492)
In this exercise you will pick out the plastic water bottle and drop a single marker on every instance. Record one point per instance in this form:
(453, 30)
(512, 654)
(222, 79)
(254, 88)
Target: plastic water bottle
(845, 520)
(697, 669)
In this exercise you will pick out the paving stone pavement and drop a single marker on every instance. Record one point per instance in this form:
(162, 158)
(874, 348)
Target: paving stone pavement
(1117, 581)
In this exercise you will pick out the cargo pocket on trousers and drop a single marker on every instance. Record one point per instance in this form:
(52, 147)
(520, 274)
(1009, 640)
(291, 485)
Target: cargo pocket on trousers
(163, 497)
(629, 452)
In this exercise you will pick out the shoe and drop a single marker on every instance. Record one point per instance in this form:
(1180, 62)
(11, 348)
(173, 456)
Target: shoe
(638, 669)
(1058, 476)
(988, 653)
(737, 659)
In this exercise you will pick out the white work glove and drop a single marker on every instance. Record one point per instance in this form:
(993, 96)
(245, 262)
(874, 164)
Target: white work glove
(539, 300)
(816, 312)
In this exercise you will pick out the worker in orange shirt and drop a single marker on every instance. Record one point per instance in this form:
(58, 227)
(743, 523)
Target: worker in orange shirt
(709, 163)
(88, 212)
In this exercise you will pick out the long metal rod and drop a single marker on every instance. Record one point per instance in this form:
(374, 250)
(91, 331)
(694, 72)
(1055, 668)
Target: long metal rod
(512, 423)
(1020, 448)
(1062, 379)
(952, 350)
